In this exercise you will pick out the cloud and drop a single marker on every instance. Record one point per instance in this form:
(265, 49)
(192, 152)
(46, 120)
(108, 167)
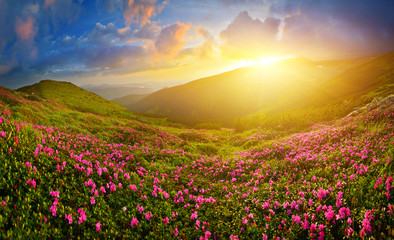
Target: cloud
(62, 11)
(140, 12)
(248, 37)
(208, 49)
(108, 34)
(336, 28)
(238, 2)
(148, 31)
(113, 57)
(4, 68)
(172, 39)
(25, 29)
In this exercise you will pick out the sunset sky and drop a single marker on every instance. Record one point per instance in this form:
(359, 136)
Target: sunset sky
(169, 42)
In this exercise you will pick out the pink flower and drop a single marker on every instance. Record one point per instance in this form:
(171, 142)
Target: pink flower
(194, 215)
(53, 210)
(133, 187)
(165, 220)
(313, 227)
(140, 208)
(92, 200)
(329, 213)
(31, 182)
(296, 218)
(233, 237)
(348, 231)
(148, 215)
(134, 221)
(305, 224)
(98, 225)
(54, 193)
(244, 221)
(82, 216)
(175, 232)
(69, 218)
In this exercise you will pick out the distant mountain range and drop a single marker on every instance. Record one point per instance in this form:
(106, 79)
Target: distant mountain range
(284, 85)
(110, 92)
(130, 100)
(287, 84)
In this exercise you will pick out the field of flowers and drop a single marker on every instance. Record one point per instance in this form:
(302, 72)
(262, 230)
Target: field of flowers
(104, 178)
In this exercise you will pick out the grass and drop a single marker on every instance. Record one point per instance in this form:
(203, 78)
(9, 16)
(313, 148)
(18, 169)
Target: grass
(57, 162)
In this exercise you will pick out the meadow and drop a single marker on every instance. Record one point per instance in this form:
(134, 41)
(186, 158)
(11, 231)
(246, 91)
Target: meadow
(70, 174)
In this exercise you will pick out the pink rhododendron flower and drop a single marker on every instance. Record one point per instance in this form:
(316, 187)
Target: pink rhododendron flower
(98, 226)
(194, 215)
(148, 215)
(134, 222)
(166, 220)
(69, 218)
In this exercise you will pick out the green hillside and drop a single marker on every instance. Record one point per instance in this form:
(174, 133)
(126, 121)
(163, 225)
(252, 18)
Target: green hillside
(66, 174)
(377, 74)
(129, 101)
(74, 97)
(279, 86)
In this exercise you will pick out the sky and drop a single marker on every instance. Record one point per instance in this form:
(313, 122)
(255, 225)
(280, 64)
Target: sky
(168, 42)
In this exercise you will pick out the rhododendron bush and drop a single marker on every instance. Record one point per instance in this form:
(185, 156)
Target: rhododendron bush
(124, 179)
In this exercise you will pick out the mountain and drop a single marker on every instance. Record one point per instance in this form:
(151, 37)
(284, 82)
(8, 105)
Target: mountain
(73, 97)
(111, 92)
(284, 84)
(375, 75)
(129, 100)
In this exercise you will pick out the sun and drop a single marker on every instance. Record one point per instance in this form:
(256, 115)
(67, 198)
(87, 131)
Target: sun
(261, 61)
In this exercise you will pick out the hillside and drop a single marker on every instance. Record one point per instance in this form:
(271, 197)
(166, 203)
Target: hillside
(110, 92)
(66, 174)
(73, 97)
(129, 100)
(282, 85)
(367, 77)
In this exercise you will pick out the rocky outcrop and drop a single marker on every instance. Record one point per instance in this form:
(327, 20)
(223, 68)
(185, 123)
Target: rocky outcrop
(378, 103)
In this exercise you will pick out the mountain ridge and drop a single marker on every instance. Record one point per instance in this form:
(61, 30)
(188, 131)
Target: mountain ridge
(248, 89)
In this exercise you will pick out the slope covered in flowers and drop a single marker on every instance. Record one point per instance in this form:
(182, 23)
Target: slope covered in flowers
(107, 178)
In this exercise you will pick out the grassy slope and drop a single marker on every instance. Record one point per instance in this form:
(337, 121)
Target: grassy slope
(378, 73)
(336, 98)
(73, 97)
(248, 192)
(129, 101)
(246, 90)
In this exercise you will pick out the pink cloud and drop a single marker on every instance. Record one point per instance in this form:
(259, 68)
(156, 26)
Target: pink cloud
(172, 39)
(141, 11)
(25, 29)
